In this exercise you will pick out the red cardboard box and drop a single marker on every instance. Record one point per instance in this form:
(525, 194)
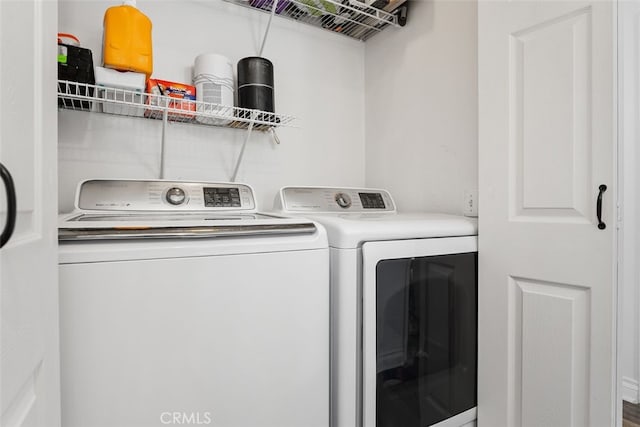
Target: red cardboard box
(184, 96)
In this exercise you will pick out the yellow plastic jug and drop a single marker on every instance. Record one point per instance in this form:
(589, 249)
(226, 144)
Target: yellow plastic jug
(127, 39)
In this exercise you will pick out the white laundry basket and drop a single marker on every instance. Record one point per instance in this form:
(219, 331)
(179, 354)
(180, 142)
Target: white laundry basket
(213, 79)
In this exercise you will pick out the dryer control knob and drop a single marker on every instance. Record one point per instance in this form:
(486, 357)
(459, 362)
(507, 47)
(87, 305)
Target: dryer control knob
(343, 200)
(176, 196)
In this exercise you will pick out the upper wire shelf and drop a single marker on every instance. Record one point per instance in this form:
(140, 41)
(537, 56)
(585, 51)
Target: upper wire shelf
(349, 17)
(122, 102)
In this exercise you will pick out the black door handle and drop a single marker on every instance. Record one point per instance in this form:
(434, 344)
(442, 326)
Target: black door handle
(11, 206)
(601, 225)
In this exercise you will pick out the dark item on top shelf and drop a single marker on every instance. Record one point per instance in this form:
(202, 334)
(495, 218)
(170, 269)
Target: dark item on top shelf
(342, 20)
(268, 5)
(255, 86)
(402, 12)
(380, 4)
(358, 21)
(75, 64)
(388, 5)
(295, 12)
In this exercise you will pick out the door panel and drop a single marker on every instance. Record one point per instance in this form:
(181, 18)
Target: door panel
(18, 95)
(549, 315)
(546, 272)
(550, 109)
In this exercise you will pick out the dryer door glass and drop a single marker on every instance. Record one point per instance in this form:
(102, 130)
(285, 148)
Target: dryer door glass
(426, 339)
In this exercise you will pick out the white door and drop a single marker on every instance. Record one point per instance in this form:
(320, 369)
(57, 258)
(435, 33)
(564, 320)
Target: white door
(29, 394)
(547, 293)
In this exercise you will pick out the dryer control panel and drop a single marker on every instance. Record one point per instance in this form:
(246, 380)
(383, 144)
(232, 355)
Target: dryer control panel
(161, 195)
(337, 200)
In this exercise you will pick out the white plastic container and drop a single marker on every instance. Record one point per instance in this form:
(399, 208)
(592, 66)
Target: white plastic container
(110, 84)
(213, 79)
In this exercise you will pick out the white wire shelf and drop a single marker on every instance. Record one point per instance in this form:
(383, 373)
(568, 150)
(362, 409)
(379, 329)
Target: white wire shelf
(350, 18)
(121, 102)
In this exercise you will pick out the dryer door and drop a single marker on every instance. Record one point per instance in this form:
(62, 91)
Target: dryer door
(419, 332)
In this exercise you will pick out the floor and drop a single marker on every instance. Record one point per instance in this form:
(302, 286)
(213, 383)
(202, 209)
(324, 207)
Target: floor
(631, 414)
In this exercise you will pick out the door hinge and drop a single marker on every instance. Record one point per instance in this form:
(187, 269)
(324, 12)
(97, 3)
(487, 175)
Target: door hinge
(618, 216)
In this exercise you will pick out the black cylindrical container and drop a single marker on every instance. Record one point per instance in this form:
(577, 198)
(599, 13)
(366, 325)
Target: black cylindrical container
(255, 84)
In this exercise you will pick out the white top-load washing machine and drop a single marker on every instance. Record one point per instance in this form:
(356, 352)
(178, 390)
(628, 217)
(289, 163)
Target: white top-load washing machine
(403, 309)
(181, 305)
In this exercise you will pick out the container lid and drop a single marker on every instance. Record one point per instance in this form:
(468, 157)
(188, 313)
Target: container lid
(213, 64)
(255, 70)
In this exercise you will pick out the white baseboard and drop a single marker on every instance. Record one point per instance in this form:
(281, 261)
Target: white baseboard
(630, 390)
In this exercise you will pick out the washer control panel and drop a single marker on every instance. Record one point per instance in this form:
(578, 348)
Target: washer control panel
(319, 199)
(160, 195)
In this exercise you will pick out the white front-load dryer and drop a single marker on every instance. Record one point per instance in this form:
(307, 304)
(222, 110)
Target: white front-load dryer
(403, 309)
(181, 305)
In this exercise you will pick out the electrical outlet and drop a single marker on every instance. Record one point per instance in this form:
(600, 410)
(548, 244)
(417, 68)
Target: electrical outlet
(470, 205)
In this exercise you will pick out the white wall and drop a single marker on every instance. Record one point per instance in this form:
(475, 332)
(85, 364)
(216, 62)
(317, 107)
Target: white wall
(629, 13)
(318, 78)
(421, 107)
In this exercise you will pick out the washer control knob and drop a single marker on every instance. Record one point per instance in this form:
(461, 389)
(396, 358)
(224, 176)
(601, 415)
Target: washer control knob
(343, 200)
(176, 196)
